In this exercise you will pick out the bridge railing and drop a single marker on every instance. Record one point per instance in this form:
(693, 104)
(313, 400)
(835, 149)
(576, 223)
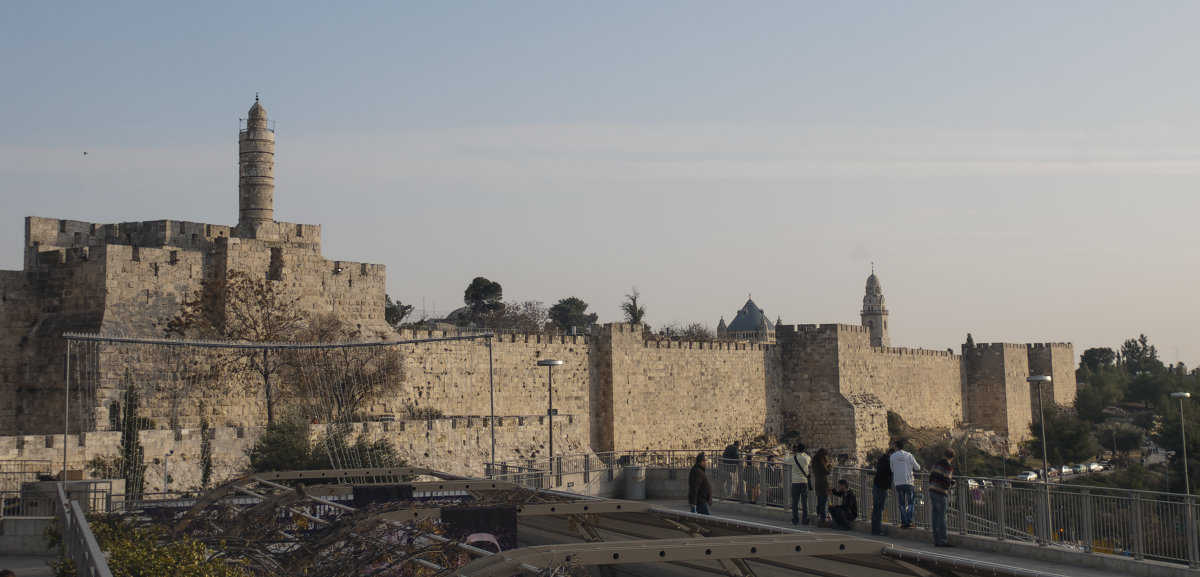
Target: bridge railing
(1095, 520)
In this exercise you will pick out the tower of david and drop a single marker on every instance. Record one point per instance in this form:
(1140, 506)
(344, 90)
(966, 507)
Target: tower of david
(833, 384)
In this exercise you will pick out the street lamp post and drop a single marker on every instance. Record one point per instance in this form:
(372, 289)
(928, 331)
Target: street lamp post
(1038, 380)
(550, 364)
(1187, 486)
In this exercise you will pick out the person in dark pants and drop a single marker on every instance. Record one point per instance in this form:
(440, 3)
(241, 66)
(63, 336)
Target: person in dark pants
(845, 513)
(941, 480)
(699, 490)
(879, 491)
(799, 462)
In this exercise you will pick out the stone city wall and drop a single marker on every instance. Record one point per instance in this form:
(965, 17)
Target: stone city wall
(996, 391)
(460, 446)
(1058, 361)
(685, 395)
(924, 387)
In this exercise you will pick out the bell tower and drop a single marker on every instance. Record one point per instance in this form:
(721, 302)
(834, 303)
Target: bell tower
(256, 175)
(874, 313)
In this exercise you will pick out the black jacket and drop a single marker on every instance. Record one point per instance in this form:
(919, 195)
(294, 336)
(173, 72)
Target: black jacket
(883, 472)
(699, 491)
(849, 503)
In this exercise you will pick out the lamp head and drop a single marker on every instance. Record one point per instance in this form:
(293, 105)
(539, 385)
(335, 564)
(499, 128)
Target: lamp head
(549, 363)
(1181, 395)
(1039, 379)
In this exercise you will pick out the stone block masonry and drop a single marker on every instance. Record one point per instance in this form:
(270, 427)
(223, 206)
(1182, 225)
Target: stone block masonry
(460, 445)
(620, 390)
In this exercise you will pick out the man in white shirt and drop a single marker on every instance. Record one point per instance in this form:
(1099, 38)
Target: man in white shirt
(903, 465)
(800, 465)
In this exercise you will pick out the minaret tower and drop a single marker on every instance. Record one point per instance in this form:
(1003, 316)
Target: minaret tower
(256, 175)
(874, 313)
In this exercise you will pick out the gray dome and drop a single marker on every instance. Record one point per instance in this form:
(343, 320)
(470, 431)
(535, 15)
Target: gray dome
(749, 319)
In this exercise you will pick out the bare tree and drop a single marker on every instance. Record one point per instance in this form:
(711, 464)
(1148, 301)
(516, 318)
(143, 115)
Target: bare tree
(246, 310)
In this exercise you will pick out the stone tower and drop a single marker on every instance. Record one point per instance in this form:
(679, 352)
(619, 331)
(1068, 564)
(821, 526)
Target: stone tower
(256, 175)
(874, 313)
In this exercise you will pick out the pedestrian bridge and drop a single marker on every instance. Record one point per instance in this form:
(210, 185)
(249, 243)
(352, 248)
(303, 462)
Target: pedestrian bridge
(566, 518)
(1128, 532)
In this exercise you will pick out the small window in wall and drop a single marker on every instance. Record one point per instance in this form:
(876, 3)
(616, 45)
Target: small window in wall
(62, 226)
(276, 271)
(114, 416)
(174, 257)
(871, 325)
(78, 238)
(181, 228)
(300, 230)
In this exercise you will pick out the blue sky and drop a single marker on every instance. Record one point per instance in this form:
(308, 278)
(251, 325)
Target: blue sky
(1022, 171)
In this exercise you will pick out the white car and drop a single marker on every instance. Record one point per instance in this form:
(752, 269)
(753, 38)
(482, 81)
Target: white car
(1095, 467)
(1027, 476)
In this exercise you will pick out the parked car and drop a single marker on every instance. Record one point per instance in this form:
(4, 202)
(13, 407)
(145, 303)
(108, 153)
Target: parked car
(1027, 476)
(1067, 470)
(1095, 467)
(1081, 469)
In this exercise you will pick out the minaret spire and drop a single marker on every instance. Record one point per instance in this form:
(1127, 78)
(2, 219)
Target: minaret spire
(874, 312)
(256, 175)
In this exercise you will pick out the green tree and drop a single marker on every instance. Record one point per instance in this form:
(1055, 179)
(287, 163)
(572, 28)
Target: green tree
(527, 316)
(697, 332)
(1120, 438)
(483, 298)
(571, 312)
(288, 445)
(394, 312)
(1068, 439)
(1089, 404)
(1139, 356)
(1098, 358)
(132, 464)
(632, 308)
(136, 551)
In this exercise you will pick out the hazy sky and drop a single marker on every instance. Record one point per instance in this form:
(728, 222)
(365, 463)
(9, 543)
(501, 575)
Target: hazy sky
(1024, 171)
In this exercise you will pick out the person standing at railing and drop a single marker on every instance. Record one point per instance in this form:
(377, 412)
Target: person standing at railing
(879, 491)
(801, 478)
(822, 468)
(941, 480)
(903, 465)
(728, 470)
(773, 476)
(753, 488)
(699, 490)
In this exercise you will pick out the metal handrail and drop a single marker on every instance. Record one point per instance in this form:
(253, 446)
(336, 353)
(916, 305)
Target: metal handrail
(79, 545)
(1095, 520)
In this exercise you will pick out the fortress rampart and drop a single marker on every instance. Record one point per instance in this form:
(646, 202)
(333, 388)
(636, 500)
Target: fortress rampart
(617, 389)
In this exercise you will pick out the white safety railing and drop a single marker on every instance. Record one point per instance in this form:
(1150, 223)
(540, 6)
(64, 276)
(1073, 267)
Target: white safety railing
(1095, 520)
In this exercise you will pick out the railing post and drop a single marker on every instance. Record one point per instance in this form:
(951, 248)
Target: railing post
(1001, 517)
(587, 468)
(1139, 547)
(1087, 521)
(961, 502)
(1190, 519)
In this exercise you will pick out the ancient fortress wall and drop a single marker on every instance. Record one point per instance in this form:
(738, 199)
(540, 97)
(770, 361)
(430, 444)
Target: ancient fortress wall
(452, 376)
(1058, 361)
(812, 404)
(924, 387)
(996, 391)
(684, 395)
(456, 445)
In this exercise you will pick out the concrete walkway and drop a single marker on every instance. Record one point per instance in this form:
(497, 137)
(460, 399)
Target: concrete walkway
(27, 565)
(968, 549)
